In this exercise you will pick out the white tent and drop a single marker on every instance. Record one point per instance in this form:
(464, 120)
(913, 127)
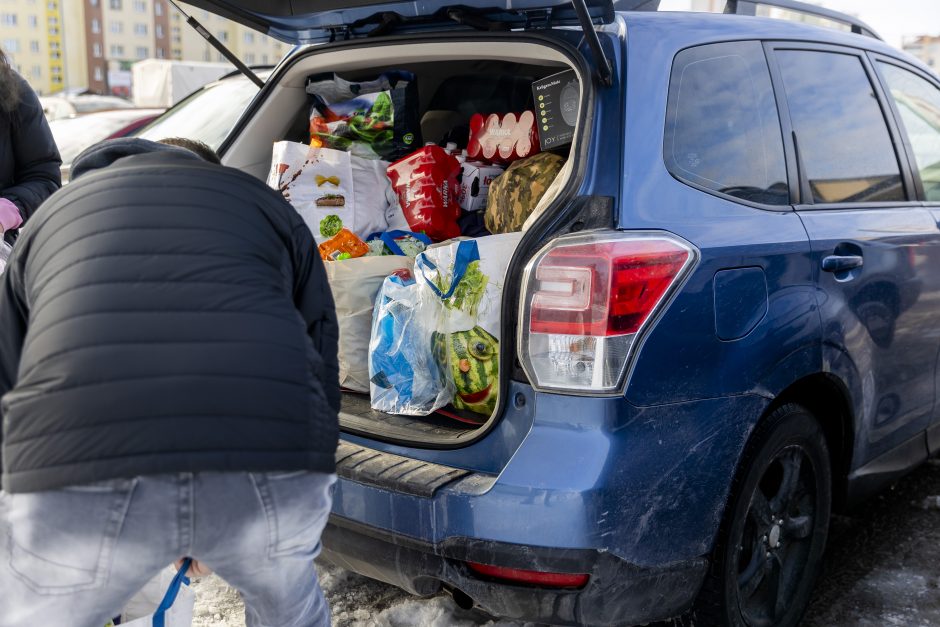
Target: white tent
(163, 82)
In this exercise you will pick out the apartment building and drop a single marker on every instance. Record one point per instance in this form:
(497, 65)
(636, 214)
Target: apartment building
(926, 48)
(31, 33)
(91, 44)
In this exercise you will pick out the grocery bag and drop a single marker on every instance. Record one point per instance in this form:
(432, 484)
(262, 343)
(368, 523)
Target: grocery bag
(355, 284)
(321, 182)
(374, 119)
(176, 607)
(515, 194)
(404, 376)
(467, 277)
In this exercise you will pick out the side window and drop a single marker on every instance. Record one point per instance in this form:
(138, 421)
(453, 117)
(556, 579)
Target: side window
(841, 131)
(918, 102)
(722, 128)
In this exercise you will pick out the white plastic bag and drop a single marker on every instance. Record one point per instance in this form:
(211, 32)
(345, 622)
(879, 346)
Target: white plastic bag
(355, 284)
(5, 251)
(175, 609)
(321, 181)
(468, 277)
(405, 376)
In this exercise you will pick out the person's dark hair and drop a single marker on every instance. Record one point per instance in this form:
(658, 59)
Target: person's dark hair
(192, 145)
(9, 85)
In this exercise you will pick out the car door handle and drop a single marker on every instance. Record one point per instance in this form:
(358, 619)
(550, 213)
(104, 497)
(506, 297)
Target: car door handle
(841, 263)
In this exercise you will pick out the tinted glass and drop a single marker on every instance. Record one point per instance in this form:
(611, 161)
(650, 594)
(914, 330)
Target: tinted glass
(918, 102)
(722, 129)
(207, 115)
(841, 131)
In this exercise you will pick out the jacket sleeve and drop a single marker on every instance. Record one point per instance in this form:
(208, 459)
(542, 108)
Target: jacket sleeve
(314, 300)
(36, 158)
(13, 317)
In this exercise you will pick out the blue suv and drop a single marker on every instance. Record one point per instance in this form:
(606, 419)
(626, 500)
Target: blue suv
(724, 326)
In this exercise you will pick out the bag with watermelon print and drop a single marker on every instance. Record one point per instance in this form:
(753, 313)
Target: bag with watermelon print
(467, 279)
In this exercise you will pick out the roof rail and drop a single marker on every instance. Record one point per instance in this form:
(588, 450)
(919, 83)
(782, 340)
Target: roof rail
(749, 7)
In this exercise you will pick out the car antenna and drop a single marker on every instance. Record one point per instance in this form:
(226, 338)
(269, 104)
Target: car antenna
(218, 45)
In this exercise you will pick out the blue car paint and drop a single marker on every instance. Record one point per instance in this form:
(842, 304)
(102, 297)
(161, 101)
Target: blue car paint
(646, 477)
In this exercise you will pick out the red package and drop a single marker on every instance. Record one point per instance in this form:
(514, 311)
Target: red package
(503, 140)
(426, 184)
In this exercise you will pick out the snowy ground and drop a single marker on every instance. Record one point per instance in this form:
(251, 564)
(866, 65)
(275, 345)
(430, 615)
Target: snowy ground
(881, 570)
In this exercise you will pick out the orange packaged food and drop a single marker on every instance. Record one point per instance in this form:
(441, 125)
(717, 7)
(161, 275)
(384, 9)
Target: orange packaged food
(345, 244)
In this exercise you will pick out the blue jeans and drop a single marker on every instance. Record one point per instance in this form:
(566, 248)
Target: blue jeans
(75, 556)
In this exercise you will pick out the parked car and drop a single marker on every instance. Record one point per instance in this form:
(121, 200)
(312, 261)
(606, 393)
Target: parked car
(75, 134)
(725, 327)
(209, 113)
(57, 107)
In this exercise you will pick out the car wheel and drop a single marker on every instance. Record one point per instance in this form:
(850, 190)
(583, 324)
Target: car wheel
(773, 535)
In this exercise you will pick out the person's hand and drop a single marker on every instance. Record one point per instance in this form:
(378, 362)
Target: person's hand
(196, 569)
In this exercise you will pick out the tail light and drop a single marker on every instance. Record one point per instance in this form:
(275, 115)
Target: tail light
(588, 298)
(530, 577)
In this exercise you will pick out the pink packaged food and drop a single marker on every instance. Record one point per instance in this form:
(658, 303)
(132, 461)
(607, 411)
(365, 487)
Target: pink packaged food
(496, 139)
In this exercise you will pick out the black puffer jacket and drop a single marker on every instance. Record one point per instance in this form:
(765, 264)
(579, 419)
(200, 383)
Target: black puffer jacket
(160, 315)
(29, 159)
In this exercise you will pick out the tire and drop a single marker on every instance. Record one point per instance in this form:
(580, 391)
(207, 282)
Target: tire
(771, 542)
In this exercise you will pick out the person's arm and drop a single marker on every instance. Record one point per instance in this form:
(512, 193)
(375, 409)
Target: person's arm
(13, 316)
(314, 300)
(36, 158)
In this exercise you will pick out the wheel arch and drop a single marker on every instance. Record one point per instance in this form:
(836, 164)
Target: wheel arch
(827, 398)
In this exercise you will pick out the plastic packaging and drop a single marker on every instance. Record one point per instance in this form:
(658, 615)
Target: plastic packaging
(343, 245)
(320, 182)
(404, 376)
(426, 184)
(505, 139)
(375, 119)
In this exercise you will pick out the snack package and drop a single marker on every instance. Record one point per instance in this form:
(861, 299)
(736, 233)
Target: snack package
(320, 182)
(515, 194)
(426, 184)
(343, 245)
(475, 178)
(376, 119)
(467, 277)
(505, 139)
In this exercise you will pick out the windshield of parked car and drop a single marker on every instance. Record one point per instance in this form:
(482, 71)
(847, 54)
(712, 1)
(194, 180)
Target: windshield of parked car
(87, 104)
(73, 135)
(206, 115)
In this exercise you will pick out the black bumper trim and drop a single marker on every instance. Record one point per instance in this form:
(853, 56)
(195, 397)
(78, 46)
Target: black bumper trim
(393, 472)
(617, 593)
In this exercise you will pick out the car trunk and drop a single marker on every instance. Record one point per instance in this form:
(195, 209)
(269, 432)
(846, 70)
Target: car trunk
(495, 69)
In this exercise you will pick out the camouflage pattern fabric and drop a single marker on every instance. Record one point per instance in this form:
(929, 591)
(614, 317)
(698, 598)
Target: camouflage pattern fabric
(514, 194)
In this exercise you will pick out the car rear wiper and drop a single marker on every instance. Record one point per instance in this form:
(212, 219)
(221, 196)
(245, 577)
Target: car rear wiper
(218, 45)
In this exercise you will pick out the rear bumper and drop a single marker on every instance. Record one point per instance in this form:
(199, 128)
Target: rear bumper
(617, 593)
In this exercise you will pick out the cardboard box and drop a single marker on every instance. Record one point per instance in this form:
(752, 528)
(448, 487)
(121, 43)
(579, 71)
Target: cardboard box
(557, 106)
(475, 179)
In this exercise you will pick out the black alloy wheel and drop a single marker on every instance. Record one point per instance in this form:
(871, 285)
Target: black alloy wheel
(772, 540)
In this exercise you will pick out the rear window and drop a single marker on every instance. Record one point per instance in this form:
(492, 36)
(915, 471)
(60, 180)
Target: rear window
(918, 103)
(722, 128)
(841, 131)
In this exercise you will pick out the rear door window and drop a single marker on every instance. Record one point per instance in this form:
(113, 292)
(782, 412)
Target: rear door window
(918, 103)
(843, 139)
(722, 128)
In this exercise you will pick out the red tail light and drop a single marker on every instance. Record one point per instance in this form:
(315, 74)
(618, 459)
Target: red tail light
(531, 577)
(587, 297)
